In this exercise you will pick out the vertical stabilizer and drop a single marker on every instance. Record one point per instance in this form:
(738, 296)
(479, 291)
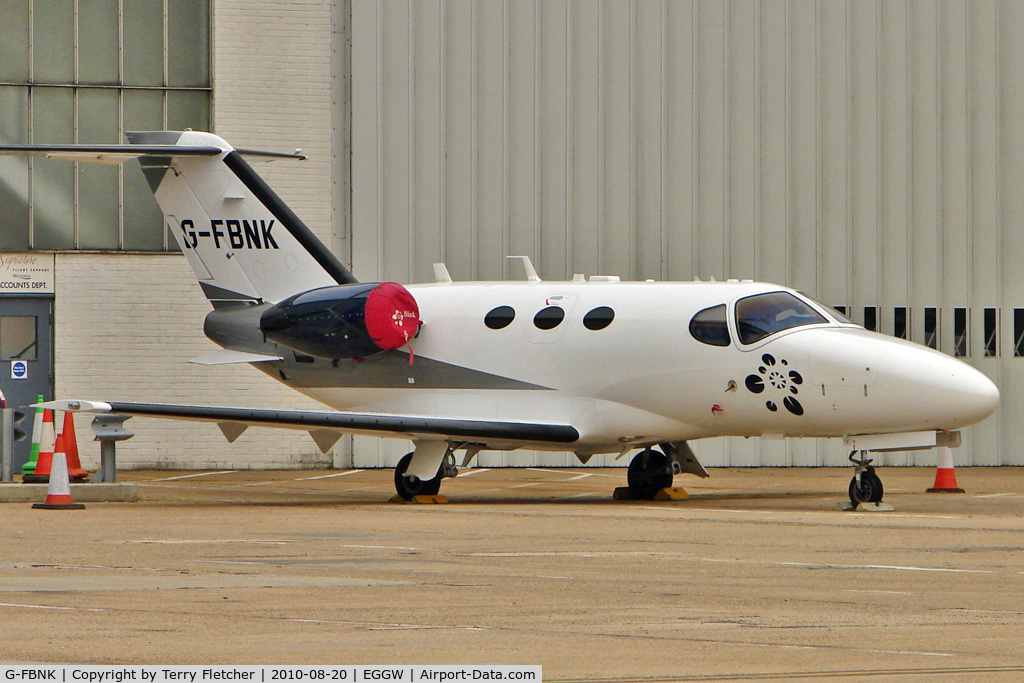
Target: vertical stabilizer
(241, 240)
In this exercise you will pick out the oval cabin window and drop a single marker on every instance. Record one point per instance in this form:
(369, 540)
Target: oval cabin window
(599, 318)
(500, 317)
(549, 318)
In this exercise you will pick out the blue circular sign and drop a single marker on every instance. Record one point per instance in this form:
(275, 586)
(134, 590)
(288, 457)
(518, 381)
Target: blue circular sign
(19, 369)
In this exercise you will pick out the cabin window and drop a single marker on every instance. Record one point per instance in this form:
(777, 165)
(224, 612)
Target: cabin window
(500, 317)
(762, 315)
(710, 327)
(599, 318)
(549, 318)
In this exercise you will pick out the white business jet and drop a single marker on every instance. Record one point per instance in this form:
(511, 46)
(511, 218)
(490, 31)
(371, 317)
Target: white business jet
(592, 366)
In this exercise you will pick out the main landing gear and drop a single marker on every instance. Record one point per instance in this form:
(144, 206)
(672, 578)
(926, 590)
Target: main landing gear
(649, 471)
(865, 487)
(408, 486)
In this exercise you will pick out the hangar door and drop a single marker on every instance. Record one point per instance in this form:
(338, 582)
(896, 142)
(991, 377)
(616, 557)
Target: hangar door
(26, 358)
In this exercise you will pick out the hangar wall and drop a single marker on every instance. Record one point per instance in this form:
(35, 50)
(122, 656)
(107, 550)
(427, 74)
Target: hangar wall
(867, 153)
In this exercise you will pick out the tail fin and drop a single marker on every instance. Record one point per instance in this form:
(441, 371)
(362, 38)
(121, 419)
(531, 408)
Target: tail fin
(243, 243)
(241, 240)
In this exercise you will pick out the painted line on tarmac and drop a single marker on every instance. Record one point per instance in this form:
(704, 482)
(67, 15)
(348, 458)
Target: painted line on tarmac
(73, 609)
(469, 473)
(997, 495)
(330, 476)
(185, 542)
(581, 476)
(192, 476)
(523, 486)
(884, 566)
(551, 471)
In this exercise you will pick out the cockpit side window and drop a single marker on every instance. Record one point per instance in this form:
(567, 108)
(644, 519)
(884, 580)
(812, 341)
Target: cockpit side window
(710, 327)
(763, 314)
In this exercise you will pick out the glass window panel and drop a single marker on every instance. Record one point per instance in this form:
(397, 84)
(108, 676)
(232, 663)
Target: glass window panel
(143, 221)
(188, 43)
(960, 332)
(97, 42)
(18, 337)
(188, 109)
(14, 46)
(899, 322)
(13, 170)
(143, 110)
(991, 332)
(97, 183)
(870, 318)
(53, 180)
(54, 44)
(1018, 332)
(143, 42)
(931, 328)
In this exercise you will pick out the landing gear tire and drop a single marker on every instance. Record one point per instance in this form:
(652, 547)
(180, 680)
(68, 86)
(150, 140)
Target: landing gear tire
(407, 487)
(649, 472)
(867, 490)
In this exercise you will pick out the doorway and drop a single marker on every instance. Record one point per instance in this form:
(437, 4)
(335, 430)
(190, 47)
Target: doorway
(26, 359)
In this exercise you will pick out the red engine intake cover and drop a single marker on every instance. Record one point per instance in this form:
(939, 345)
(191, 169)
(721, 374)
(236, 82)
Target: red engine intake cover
(392, 316)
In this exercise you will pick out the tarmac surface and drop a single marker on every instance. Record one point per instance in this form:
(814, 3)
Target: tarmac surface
(754, 577)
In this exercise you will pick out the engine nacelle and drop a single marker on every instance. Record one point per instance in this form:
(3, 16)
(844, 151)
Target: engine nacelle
(347, 321)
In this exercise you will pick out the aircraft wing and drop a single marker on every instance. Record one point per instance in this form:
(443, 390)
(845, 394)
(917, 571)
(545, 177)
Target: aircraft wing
(234, 421)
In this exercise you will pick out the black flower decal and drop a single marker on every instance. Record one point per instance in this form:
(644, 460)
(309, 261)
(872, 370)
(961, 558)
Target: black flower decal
(773, 373)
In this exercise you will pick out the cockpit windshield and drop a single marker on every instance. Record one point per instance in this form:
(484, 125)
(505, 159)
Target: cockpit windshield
(763, 314)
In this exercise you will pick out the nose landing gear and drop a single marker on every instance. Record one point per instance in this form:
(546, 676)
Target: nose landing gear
(865, 487)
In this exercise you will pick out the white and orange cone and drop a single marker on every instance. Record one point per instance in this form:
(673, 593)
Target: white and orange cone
(67, 430)
(58, 496)
(945, 477)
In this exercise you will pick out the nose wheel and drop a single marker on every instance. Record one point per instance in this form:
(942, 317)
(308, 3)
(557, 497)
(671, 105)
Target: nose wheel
(865, 487)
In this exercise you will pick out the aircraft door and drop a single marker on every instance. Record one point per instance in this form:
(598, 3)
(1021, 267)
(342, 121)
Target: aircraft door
(26, 358)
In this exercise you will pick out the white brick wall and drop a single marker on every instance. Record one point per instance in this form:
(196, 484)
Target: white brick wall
(124, 328)
(126, 324)
(272, 90)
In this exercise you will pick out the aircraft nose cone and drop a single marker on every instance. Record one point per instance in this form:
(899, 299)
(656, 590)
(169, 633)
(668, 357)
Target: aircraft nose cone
(976, 394)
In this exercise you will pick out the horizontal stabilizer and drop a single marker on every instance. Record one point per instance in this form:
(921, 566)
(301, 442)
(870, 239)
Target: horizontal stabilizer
(118, 154)
(229, 356)
(110, 154)
(373, 424)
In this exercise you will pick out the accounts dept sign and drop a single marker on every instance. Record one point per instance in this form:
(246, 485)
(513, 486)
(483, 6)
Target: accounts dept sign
(26, 273)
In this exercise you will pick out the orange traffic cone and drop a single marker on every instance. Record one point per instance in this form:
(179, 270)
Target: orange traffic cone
(945, 477)
(47, 441)
(75, 471)
(58, 496)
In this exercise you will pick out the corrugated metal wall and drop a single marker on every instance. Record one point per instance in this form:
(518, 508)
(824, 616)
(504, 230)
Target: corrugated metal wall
(868, 153)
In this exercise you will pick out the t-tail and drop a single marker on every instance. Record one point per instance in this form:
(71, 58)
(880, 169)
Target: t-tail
(241, 240)
(243, 243)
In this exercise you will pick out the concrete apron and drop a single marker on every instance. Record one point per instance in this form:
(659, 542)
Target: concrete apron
(80, 493)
